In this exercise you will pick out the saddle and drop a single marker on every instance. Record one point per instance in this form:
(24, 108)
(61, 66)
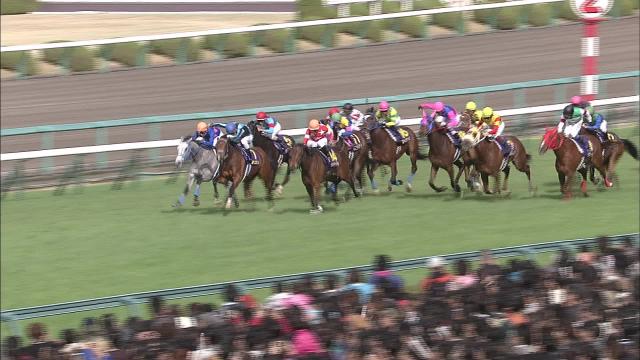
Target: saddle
(400, 136)
(283, 144)
(585, 147)
(250, 156)
(506, 148)
(330, 158)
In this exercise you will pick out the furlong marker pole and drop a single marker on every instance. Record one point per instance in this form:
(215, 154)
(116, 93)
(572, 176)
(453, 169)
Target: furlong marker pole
(590, 53)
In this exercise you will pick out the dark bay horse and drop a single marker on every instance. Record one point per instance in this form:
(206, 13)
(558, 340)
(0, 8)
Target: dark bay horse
(384, 151)
(315, 172)
(272, 151)
(569, 159)
(443, 154)
(614, 148)
(358, 154)
(204, 168)
(488, 160)
(234, 170)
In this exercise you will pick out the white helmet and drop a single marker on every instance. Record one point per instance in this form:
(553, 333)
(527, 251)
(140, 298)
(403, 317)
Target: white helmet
(435, 262)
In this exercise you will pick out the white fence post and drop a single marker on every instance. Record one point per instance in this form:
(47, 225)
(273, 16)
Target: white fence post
(375, 7)
(406, 5)
(344, 10)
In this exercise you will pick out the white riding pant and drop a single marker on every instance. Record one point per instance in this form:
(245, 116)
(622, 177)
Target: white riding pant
(603, 126)
(570, 131)
(247, 142)
(320, 143)
(276, 130)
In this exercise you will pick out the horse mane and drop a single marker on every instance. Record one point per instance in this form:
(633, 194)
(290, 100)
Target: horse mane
(552, 139)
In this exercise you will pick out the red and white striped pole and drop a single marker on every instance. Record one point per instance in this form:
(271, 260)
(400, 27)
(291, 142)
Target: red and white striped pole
(590, 52)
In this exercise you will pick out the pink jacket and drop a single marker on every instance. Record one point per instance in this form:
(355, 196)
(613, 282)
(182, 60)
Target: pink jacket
(306, 342)
(449, 113)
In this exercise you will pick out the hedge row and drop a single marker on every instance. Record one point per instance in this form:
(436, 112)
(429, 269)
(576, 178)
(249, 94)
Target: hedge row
(371, 30)
(76, 59)
(320, 34)
(14, 7)
(14, 60)
(180, 49)
(130, 54)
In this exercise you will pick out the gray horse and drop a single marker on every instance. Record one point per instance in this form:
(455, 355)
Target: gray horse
(204, 168)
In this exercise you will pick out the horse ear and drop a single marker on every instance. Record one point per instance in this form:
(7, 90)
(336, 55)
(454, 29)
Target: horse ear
(185, 138)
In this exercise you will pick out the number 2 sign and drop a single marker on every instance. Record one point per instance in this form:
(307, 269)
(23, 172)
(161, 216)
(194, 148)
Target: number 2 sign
(591, 9)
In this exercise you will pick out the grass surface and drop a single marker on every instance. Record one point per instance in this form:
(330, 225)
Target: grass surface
(101, 242)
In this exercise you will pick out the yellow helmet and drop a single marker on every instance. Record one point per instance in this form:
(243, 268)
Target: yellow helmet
(487, 112)
(344, 122)
(478, 114)
(314, 124)
(202, 126)
(471, 106)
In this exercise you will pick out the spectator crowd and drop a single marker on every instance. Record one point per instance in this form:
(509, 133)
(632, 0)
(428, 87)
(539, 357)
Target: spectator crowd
(584, 305)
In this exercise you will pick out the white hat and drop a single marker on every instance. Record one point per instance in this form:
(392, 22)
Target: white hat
(436, 261)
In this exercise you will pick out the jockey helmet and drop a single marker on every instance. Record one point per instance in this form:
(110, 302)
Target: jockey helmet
(261, 116)
(202, 126)
(314, 124)
(384, 106)
(344, 122)
(471, 106)
(438, 106)
(478, 114)
(576, 100)
(336, 117)
(231, 128)
(333, 110)
(567, 112)
(348, 107)
(487, 112)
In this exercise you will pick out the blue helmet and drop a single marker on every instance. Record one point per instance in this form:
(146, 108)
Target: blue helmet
(231, 127)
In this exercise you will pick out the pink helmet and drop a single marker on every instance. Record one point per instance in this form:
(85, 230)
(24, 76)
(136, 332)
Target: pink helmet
(384, 106)
(438, 106)
(576, 100)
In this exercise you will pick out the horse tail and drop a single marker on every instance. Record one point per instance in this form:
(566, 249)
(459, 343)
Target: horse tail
(631, 149)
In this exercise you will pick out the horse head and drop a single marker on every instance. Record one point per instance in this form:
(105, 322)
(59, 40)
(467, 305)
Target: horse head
(184, 151)
(222, 147)
(295, 156)
(550, 140)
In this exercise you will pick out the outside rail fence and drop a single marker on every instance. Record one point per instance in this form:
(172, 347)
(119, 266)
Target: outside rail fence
(216, 40)
(134, 300)
(59, 167)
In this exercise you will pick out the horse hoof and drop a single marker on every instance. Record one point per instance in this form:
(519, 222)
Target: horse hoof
(176, 205)
(440, 189)
(196, 203)
(409, 188)
(279, 189)
(389, 188)
(608, 183)
(228, 204)
(375, 191)
(457, 188)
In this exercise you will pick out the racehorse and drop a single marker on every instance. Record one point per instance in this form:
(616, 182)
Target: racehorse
(204, 167)
(272, 151)
(569, 159)
(613, 150)
(315, 171)
(488, 160)
(443, 154)
(383, 150)
(357, 153)
(234, 169)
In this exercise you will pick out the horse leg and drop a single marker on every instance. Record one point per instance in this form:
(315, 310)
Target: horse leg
(566, 185)
(196, 194)
(506, 171)
(232, 184)
(216, 195)
(371, 168)
(496, 185)
(454, 185)
(414, 168)
(186, 190)
(485, 183)
(248, 194)
(287, 175)
(394, 174)
(432, 179)
(583, 183)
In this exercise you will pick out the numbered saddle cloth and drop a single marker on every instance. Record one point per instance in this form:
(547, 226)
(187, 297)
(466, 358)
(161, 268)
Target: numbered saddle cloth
(250, 156)
(330, 158)
(400, 136)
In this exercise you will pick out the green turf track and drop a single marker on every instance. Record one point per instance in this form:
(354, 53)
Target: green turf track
(102, 242)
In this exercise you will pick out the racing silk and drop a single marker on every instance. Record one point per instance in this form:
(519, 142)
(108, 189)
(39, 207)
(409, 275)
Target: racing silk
(356, 117)
(347, 127)
(241, 132)
(448, 113)
(571, 127)
(390, 118)
(271, 127)
(495, 125)
(597, 122)
(317, 135)
(209, 140)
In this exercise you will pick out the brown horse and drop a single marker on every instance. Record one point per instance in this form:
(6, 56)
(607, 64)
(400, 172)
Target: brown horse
(569, 159)
(315, 172)
(234, 170)
(272, 152)
(357, 156)
(443, 154)
(488, 160)
(614, 147)
(383, 150)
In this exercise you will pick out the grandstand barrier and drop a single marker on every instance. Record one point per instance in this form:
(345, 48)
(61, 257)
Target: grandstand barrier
(134, 300)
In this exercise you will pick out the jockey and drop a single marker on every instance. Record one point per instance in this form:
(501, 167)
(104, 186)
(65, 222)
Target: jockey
(468, 119)
(354, 115)
(494, 129)
(585, 105)
(270, 126)
(238, 134)
(447, 113)
(389, 118)
(346, 127)
(571, 123)
(592, 120)
(206, 136)
(318, 136)
(327, 120)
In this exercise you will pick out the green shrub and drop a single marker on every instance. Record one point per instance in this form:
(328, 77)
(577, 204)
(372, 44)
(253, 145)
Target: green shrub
(564, 11)
(237, 45)
(54, 56)
(359, 9)
(448, 20)
(623, 7)
(427, 4)
(13, 60)
(412, 26)
(313, 8)
(213, 42)
(486, 16)
(173, 47)
(82, 59)
(507, 18)
(355, 28)
(374, 31)
(321, 34)
(389, 7)
(539, 15)
(635, 4)
(124, 53)
(13, 7)
(276, 40)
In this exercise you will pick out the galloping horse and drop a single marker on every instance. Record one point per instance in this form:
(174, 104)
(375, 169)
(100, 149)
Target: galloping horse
(569, 159)
(613, 150)
(443, 154)
(488, 160)
(235, 169)
(357, 155)
(204, 167)
(385, 151)
(273, 152)
(315, 172)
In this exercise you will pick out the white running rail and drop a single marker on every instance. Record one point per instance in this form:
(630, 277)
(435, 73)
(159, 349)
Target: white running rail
(269, 27)
(294, 132)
